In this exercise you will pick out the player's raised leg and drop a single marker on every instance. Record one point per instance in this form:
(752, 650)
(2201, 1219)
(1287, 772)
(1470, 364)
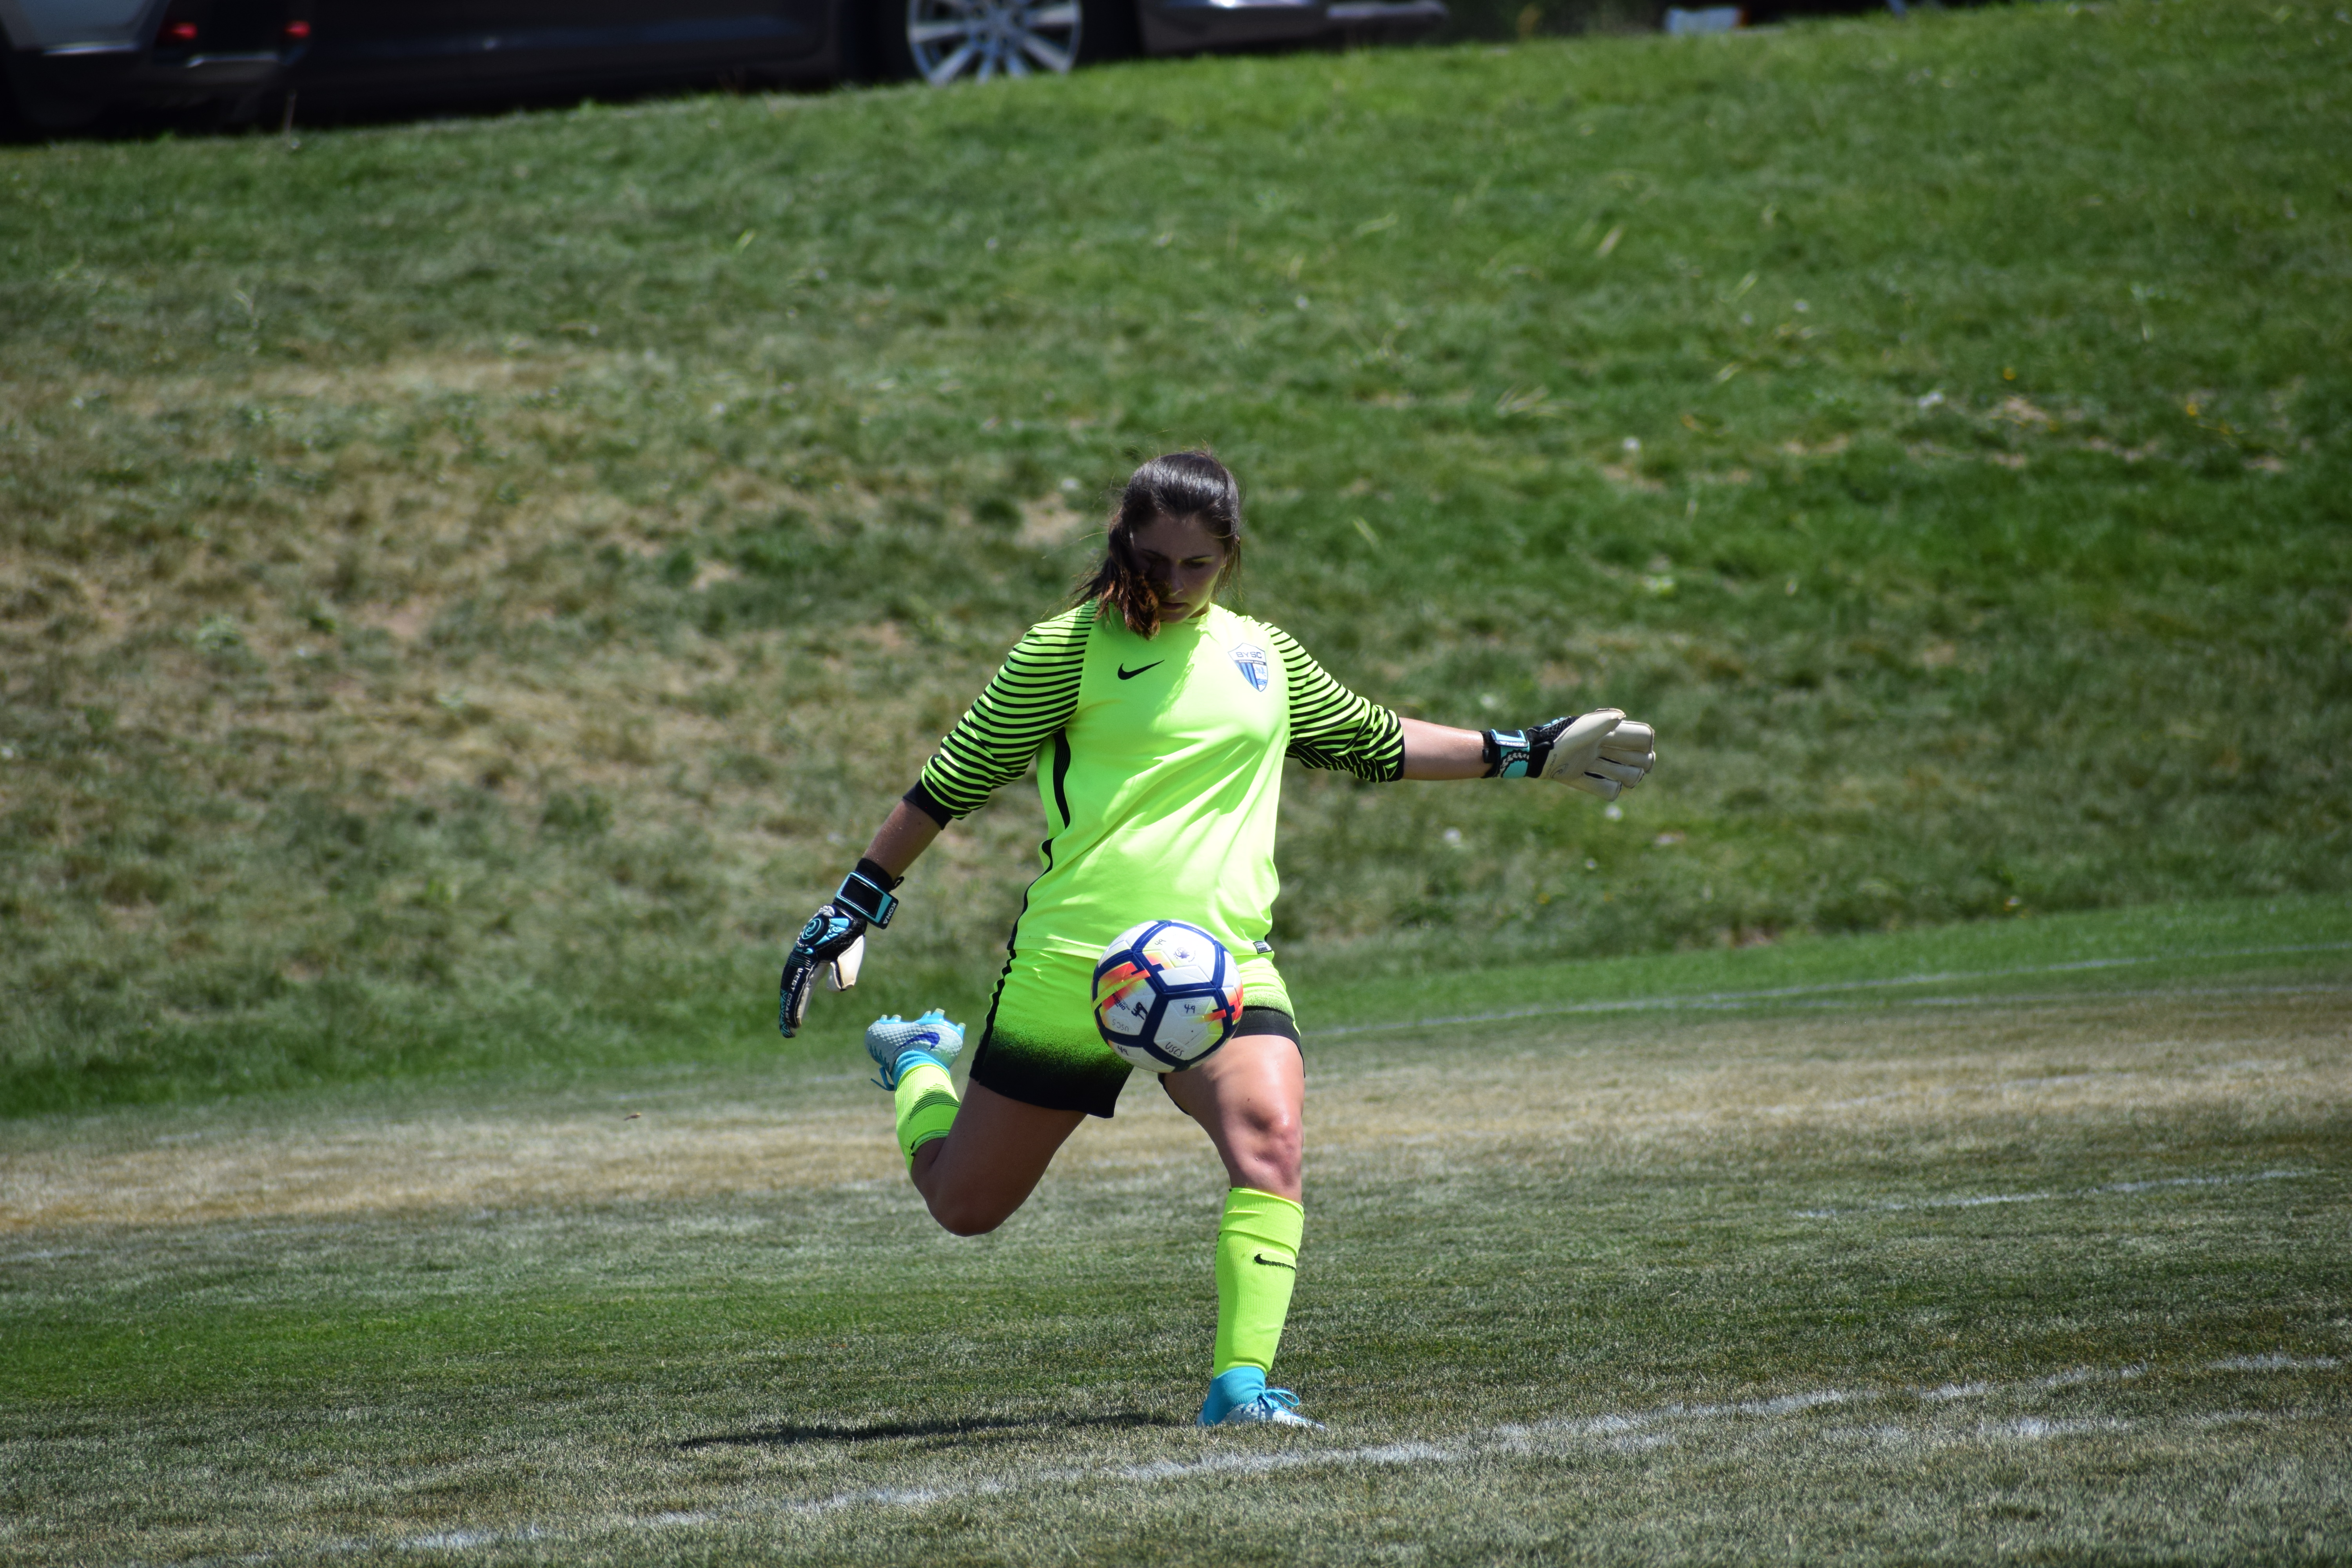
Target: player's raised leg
(974, 1159)
(992, 1160)
(1249, 1097)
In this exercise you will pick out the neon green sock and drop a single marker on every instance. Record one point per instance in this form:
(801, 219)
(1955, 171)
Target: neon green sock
(926, 1103)
(1257, 1263)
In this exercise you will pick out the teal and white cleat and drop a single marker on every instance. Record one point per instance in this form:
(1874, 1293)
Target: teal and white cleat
(898, 1044)
(1240, 1398)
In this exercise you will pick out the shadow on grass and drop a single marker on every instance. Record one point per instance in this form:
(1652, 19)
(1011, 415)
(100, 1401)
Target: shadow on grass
(846, 1432)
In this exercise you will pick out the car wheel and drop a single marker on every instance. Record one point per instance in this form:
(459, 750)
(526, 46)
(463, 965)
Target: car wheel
(945, 41)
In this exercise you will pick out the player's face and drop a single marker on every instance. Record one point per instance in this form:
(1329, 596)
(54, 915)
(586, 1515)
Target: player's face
(1181, 558)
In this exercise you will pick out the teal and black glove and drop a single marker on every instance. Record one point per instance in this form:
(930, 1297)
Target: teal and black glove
(833, 940)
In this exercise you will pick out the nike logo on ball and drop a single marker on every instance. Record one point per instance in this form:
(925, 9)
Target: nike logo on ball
(1274, 1262)
(1126, 674)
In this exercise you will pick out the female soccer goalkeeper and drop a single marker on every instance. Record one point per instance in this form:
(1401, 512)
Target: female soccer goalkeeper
(1160, 722)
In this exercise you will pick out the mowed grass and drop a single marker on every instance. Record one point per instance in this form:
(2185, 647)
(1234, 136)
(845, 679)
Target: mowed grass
(466, 590)
(2047, 1265)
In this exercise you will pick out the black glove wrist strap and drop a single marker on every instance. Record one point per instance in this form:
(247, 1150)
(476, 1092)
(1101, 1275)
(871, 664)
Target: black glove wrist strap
(1521, 753)
(1505, 752)
(866, 893)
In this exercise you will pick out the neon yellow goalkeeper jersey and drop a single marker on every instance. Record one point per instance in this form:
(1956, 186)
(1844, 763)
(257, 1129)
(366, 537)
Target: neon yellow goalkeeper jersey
(1159, 767)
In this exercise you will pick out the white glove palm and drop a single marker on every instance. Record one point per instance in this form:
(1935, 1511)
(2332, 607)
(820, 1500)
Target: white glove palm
(843, 972)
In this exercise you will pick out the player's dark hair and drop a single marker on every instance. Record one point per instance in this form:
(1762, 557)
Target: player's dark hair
(1181, 484)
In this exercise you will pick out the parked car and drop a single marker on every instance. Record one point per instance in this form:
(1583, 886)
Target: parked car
(71, 62)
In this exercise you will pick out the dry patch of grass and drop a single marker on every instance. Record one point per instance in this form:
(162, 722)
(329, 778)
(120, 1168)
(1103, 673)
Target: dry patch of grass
(375, 585)
(1941, 1084)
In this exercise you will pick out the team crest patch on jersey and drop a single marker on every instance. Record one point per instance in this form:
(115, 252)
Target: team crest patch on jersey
(1255, 667)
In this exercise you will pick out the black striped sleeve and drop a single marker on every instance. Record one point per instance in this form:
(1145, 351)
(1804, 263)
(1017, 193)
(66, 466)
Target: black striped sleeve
(1036, 694)
(1331, 727)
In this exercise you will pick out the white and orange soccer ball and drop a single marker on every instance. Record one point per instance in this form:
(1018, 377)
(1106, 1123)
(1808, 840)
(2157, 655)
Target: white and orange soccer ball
(1166, 994)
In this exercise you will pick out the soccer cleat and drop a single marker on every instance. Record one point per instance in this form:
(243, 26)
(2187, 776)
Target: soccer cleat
(898, 1044)
(1275, 1406)
(1241, 1398)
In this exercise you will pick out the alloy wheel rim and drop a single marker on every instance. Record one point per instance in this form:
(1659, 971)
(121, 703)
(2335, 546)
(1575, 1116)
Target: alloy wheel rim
(954, 40)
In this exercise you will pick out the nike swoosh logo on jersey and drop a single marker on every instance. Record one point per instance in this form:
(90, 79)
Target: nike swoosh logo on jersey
(1274, 1262)
(1126, 674)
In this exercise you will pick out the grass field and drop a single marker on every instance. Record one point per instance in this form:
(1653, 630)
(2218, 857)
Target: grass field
(1983, 1245)
(466, 589)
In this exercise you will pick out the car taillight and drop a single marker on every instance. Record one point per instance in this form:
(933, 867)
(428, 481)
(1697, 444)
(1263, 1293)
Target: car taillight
(298, 31)
(180, 32)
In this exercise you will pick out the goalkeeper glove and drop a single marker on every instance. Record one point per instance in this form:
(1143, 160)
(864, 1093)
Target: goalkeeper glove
(835, 941)
(1602, 753)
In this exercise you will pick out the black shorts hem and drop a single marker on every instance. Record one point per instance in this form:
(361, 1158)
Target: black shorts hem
(1268, 1021)
(1094, 1089)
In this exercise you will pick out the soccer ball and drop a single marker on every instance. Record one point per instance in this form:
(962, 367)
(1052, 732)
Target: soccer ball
(1166, 994)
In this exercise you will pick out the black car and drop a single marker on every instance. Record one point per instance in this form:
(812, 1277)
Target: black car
(71, 62)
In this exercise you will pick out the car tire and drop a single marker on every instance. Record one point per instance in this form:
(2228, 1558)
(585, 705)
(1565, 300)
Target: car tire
(946, 41)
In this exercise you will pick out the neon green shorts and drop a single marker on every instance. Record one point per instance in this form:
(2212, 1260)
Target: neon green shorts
(1040, 1045)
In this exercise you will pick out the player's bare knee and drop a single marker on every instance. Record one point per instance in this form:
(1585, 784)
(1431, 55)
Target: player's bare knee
(960, 1216)
(1274, 1133)
(1283, 1166)
(1270, 1163)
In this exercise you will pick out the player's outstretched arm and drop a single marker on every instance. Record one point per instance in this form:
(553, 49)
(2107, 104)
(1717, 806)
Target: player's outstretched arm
(1601, 752)
(1441, 752)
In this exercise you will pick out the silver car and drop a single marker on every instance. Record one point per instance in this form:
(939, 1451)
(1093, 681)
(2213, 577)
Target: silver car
(71, 62)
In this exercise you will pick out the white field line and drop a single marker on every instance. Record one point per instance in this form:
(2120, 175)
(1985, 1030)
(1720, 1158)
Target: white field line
(458, 1539)
(1627, 1431)
(1898, 1205)
(2275, 1362)
(2088, 998)
(1709, 1000)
